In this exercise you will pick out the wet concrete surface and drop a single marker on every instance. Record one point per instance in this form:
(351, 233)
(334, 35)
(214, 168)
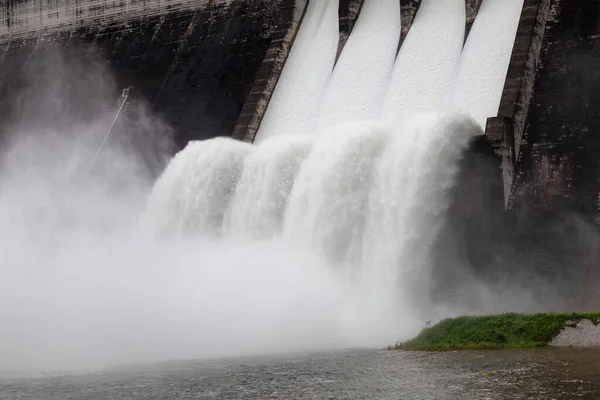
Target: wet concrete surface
(547, 373)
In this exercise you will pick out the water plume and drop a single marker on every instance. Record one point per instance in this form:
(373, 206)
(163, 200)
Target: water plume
(327, 205)
(260, 200)
(195, 190)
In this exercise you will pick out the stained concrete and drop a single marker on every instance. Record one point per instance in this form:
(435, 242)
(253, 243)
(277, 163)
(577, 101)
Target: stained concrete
(257, 101)
(551, 99)
(193, 62)
(560, 164)
(28, 18)
(349, 12)
(545, 136)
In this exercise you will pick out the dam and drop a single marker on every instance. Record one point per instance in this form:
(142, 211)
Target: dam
(374, 163)
(207, 54)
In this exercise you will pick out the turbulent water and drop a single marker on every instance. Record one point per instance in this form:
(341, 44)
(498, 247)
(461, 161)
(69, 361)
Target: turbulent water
(196, 188)
(260, 200)
(540, 374)
(352, 197)
(298, 242)
(352, 194)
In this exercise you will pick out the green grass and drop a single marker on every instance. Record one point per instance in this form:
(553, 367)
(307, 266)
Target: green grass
(493, 331)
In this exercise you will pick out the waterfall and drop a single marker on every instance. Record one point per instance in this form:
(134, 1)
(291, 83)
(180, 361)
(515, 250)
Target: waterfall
(428, 59)
(485, 59)
(295, 101)
(194, 192)
(358, 81)
(259, 203)
(408, 200)
(365, 197)
(369, 196)
(328, 203)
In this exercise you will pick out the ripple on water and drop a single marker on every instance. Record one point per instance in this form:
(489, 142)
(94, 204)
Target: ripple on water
(509, 374)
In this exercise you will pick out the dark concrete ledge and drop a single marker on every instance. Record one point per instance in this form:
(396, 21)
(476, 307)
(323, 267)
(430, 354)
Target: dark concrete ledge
(518, 87)
(408, 11)
(500, 134)
(472, 11)
(348, 14)
(270, 70)
(519, 83)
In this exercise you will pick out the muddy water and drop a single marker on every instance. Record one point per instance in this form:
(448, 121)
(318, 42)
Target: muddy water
(519, 374)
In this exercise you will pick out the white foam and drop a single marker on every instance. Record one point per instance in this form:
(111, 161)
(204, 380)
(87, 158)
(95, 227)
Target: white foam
(409, 198)
(295, 101)
(261, 196)
(328, 202)
(361, 74)
(122, 294)
(427, 62)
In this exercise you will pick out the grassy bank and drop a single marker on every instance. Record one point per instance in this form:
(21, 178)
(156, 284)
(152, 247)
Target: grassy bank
(494, 331)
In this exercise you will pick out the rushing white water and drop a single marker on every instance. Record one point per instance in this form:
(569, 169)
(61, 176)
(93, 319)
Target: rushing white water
(409, 198)
(328, 203)
(427, 62)
(361, 73)
(195, 190)
(123, 294)
(295, 101)
(485, 59)
(261, 196)
(369, 197)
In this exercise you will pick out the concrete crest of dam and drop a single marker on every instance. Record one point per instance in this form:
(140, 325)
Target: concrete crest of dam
(209, 68)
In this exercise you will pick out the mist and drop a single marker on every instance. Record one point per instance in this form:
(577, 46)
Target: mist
(93, 287)
(88, 282)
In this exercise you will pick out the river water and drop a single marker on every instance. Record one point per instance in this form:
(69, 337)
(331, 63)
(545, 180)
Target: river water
(356, 374)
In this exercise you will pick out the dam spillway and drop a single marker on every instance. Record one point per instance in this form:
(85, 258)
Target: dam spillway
(414, 213)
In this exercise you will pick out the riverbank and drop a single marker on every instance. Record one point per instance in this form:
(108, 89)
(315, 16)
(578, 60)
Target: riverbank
(508, 331)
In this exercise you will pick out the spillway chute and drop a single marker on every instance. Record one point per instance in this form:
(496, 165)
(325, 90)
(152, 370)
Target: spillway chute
(355, 89)
(295, 101)
(426, 65)
(409, 198)
(485, 59)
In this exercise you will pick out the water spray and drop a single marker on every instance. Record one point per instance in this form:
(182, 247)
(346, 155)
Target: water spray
(123, 100)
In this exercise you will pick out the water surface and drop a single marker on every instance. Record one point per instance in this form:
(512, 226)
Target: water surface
(357, 374)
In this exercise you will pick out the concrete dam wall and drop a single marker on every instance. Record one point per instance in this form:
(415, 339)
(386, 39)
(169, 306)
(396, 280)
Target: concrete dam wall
(207, 67)
(194, 62)
(546, 137)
